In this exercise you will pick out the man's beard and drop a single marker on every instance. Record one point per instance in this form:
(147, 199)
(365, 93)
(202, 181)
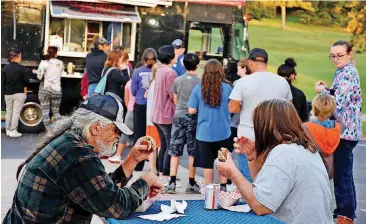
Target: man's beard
(106, 150)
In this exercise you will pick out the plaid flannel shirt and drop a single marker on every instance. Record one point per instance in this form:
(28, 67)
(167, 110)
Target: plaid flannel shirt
(66, 183)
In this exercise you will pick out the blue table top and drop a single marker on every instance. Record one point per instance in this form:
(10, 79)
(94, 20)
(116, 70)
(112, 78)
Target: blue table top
(195, 213)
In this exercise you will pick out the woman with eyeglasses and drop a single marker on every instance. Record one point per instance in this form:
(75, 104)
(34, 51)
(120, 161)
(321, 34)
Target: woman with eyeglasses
(347, 93)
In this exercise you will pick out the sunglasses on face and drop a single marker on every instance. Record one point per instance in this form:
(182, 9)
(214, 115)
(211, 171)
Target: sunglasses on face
(337, 57)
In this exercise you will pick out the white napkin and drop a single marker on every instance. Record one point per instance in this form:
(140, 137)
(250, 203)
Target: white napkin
(160, 217)
(167, 211)
(238, 208)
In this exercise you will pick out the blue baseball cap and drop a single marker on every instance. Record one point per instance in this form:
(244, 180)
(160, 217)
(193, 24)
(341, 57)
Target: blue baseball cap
(102, 41)
(178, 43)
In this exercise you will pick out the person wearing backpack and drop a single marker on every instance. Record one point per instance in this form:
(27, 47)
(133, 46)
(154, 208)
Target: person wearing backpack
(117, 79)
(50, 95)
(128, 104)
(94, 62)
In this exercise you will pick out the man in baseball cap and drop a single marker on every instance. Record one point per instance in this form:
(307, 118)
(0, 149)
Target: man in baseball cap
(108, 107)
(68, 158)
(258, 55)
(103, 43)
(179, 50)
(255, 88)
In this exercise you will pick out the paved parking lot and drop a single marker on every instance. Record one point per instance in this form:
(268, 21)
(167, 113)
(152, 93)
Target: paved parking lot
(14, 151)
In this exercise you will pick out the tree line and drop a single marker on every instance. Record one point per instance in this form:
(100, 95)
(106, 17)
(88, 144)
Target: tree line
(346, 14)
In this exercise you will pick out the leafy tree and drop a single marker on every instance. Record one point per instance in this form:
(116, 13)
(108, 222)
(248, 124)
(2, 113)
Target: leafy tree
(347, 14)
(267, 9)
(292, 4)
(326, 13)
(356, 25)
(259, 10)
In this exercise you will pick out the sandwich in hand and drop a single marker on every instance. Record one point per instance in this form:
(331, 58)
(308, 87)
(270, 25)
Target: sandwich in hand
(149, 142)
(222, 155)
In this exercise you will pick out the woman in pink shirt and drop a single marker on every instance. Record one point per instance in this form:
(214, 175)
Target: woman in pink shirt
(125, 140)
(164, 107)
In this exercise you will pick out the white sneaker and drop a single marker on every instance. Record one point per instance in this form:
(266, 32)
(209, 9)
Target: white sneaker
(14, 134)
(7, 132)
(115, 159)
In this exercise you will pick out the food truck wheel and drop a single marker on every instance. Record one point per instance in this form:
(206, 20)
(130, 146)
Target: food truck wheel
(31, 118)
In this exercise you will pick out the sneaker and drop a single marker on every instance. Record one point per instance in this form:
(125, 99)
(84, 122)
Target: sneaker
(115, 159)
(7, 132)
(193, 189)
(177, 184)
(170, 189)
(14, 134)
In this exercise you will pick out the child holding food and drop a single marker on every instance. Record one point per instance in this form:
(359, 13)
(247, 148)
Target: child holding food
(210, 101)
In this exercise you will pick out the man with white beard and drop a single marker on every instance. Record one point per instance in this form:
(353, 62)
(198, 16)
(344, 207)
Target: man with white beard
(65, 181)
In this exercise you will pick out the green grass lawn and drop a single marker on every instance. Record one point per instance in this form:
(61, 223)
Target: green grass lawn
(309, 45)
(364, 129)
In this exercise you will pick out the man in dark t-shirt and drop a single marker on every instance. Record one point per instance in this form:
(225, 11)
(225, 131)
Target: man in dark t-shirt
(95, 63)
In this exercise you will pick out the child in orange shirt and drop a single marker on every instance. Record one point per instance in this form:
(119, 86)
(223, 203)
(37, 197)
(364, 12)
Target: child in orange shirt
(326, 133)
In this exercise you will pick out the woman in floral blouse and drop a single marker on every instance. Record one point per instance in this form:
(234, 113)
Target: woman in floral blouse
(347, 93)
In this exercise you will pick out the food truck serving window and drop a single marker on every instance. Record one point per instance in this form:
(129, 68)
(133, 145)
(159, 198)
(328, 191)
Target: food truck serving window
(74, 26)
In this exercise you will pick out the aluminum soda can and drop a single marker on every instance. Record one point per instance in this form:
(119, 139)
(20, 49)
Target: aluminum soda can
(212, 196)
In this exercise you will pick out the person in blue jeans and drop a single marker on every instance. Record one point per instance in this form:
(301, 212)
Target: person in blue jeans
(346, 90)
(210, 101)
(251, 90)
(243, 70)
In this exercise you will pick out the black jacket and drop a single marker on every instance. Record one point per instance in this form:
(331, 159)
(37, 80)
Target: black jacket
(14, 78)
(116, 82)
(299, 101)
(94, 64)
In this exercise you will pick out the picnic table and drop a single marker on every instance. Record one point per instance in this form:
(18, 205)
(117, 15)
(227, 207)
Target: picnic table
(195, 213)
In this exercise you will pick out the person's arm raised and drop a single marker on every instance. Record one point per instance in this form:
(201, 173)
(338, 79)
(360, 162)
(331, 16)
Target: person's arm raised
(229, 170)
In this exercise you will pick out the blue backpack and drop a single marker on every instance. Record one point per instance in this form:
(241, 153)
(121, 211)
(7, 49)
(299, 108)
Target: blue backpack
(100, 88)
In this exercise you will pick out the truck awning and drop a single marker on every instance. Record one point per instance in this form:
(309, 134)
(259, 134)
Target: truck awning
(145, 3)
(94, 11)
(216, 2)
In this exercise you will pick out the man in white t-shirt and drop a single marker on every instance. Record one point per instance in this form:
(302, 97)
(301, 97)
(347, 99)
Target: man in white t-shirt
(249, 91)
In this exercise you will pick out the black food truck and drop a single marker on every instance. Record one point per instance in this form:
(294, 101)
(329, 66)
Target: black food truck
(210, 28)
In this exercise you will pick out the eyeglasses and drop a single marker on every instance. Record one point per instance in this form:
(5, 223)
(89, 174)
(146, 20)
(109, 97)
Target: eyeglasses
(337, 57)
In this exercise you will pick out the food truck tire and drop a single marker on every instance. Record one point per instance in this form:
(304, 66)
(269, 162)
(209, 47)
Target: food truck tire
(31, 116)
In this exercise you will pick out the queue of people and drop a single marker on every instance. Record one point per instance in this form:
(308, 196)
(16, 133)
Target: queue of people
(269, 127)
